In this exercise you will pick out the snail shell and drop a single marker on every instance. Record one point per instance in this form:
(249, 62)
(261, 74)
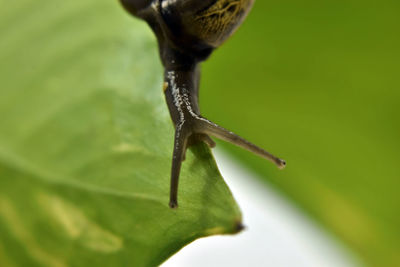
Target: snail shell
(208, 22)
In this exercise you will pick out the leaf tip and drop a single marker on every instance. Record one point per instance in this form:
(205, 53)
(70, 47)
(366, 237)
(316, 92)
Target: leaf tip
(239, 226)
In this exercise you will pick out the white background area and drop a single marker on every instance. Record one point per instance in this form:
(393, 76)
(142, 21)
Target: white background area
(276, 233)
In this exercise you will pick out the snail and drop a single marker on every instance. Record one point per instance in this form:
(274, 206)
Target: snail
(187, 32)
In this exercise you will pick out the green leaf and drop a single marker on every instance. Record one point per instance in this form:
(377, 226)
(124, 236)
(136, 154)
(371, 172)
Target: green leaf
(318, 85)
(86, 143)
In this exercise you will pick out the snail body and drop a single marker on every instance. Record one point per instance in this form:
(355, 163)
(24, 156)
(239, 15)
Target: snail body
(187, 32)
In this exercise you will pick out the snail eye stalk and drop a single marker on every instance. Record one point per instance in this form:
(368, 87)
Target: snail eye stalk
(200, 128)
(223, 134)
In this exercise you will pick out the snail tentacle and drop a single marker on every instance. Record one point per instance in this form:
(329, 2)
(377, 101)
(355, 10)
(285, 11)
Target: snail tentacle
(226, 135)
(180, 146)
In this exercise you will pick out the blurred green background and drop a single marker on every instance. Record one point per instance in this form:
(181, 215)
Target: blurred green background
(317, 83)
